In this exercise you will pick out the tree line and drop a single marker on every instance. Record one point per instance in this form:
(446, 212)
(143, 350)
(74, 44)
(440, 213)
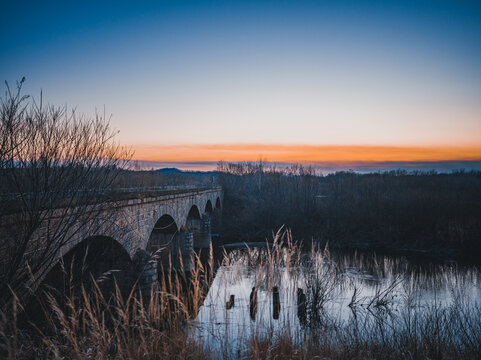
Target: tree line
(393, 210)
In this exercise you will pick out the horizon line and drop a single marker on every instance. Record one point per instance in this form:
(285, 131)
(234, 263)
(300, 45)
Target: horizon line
(329, 167)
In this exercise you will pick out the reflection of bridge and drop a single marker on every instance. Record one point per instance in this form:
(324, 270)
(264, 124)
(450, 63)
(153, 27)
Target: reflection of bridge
(169, 221)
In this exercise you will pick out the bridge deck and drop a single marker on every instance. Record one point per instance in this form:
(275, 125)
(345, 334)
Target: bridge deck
(14, 203)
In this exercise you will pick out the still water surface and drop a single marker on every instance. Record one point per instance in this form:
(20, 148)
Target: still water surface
(339, 288)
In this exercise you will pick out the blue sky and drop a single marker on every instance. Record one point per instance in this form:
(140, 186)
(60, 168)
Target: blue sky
(282, 72)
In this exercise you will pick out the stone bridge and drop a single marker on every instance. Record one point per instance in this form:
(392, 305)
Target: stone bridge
(168, 222)
(178, 216)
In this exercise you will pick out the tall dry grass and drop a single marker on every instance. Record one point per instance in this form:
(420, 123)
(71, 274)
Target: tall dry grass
(161, 324)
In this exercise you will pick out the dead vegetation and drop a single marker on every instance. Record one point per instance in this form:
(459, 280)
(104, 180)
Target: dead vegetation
(160, 325)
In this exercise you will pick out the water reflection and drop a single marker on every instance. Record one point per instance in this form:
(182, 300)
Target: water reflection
(321, 292)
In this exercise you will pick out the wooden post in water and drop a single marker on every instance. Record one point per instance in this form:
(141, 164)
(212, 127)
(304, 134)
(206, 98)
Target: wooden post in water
(276, 304)
(230, 303)
(253, 303)
(301, 306)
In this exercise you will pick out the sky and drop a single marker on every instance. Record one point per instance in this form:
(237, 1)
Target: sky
(311, 81)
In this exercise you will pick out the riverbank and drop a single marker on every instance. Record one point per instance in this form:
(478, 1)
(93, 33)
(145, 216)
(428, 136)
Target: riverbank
(435, 254)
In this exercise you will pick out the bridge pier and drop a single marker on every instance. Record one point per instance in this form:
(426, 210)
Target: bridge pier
(161, 245)
(173, 251)
(202, 233)
(146, 271)
(183, 251)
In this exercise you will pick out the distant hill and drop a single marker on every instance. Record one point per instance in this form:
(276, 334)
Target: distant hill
(169, 171)
(178, 171)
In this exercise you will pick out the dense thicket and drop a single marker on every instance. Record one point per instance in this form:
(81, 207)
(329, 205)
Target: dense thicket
(392, 210)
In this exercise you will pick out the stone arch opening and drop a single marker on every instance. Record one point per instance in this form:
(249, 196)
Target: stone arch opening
(194, 213)
(162, 239)
(216, 219)
(200, 228)
(165, 225)
(208, 207)
(99, 259)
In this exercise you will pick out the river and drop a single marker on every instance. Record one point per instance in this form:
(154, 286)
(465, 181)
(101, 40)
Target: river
(318, 292)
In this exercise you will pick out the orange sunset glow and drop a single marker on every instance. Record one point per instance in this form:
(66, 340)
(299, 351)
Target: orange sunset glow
(303, 153)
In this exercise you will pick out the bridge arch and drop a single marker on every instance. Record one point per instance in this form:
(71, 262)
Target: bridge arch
(208, 207)
(162, 238)
(194, 214)
(165, 224)
(199, 226)
(216, 216)
(100, 258)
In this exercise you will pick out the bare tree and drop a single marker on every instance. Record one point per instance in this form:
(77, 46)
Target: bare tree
(54, 169)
